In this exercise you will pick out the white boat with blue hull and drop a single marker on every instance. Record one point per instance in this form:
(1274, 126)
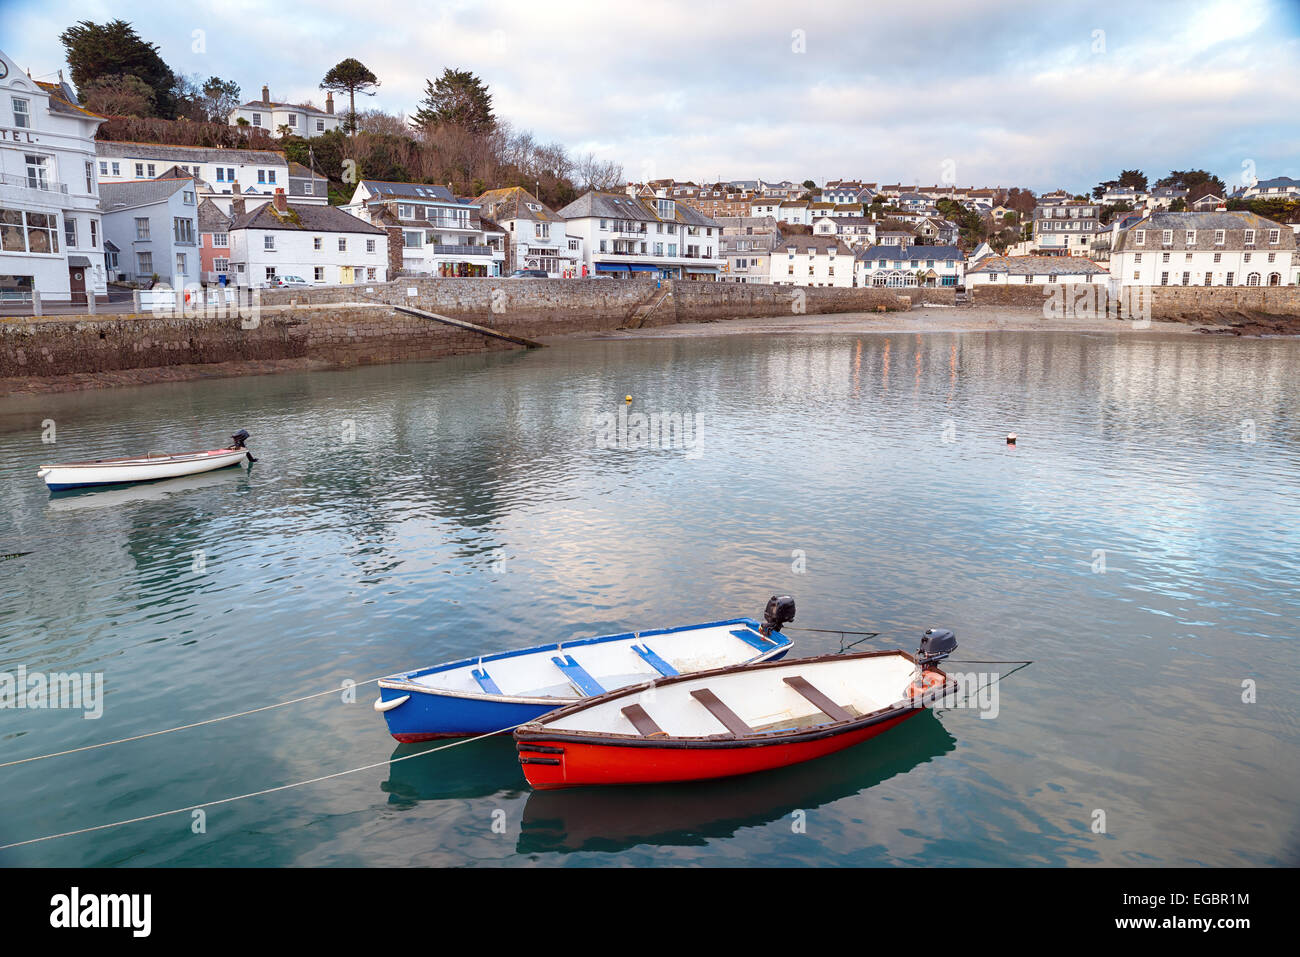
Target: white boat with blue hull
(145, 468)
(497, 692)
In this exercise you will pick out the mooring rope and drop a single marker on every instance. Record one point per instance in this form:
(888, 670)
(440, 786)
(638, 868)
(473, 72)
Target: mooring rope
(185, 727)
(251, 794)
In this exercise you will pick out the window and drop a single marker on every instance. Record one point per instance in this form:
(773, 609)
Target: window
(22, 114)
(343, 244)
(1218, 257)
(37, 173)
(1140, 237)
(221, 174)
(90, 177)
(257, 119)
(320, 274)
(1246, 257)
(293, 121)
(1187, 279)
(370, 245)
(307, 188)
(1218, 238)
(1029, 279)
(1249, 238)
(1274, 235)
(261, 176)
(183, 230)
(1227, 280)
(1252, 279)
(543, 230)
(320, 126)
(152, 170)
(230, 173)
(94, 234)
(139, 170)
(413, 239)
(180, 264)
(144, 264)
(221, 265)
(1191, 238)
(270, 176)
(1164, 258)
(316, 242)
(142, 227)
(40, 236)
(187, 197)
(1209, 279)
(220, 240)
(270, 273)
(268, 243)
(1137, 257)
(1166, 236)
(1052, 277)
(69, 231)
(117, 169)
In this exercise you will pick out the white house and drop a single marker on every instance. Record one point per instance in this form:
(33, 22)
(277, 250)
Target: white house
(441, 235)
(256, 173)
(1283, 187)
(1035, 270)
(626, 236)
(536, 235)
(1067, 229)
(322, 244)
(910, 266)
(853, 231)
(154, 225)
(297, 119)
(1204, 249)
(811, 261)
(51, 232)
(793, 211)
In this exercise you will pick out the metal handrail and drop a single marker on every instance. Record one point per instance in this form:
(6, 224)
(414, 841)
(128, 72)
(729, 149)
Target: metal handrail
(28, 182)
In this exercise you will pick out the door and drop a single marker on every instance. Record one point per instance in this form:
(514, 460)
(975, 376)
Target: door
(77, 284)
(345, 275)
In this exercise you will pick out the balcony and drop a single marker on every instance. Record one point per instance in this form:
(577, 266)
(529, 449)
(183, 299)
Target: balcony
(32, 182)
(461, 250)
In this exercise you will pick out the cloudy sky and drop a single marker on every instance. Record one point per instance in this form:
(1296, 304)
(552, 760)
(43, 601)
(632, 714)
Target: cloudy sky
(993, 93)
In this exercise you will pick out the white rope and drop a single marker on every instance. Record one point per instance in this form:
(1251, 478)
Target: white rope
(182, 727)
(250, 794)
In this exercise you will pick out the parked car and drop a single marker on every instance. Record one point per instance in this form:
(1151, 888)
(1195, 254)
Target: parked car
(529, 274)
(282, 281)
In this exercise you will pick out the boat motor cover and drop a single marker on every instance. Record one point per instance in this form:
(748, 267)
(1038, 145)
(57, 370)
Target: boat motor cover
(240, 438)
(936, 644)
(779, 611)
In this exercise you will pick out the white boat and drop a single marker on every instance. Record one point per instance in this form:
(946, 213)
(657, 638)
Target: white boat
(145, 468)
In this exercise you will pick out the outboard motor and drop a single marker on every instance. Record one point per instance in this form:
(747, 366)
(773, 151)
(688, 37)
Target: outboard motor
(936, 645)
(779, 611)
(239, 438)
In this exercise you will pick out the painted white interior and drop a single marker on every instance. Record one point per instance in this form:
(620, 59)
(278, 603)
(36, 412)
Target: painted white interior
(759, 696)
(612, 663)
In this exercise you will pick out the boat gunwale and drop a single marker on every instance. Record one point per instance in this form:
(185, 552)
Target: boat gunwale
(405, 682)
(137, 460)
(535, 731)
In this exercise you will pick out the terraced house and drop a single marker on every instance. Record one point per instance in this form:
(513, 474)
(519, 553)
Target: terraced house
(535, 235)
(626, 236)
(321, 245)
(896, 266)
(812, 261)
(1218, 248)
(440, 234)
(51, 236)
(1067, 228)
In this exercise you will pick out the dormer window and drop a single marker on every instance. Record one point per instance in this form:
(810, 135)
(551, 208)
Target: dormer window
(666, 208)
(1219, 237)
(1250, 237)
(1274, 235)
(1191, 237)
(1140, 237)
(1166, 236)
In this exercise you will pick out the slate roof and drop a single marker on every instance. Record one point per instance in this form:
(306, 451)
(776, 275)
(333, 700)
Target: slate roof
(62, 100)
(1276, 182)
(1039, 266)
(142, 192)
(514, 203)
(801, 242)
(1231, 221)
(911, 252)
(272, 105)
(605, 205)
(385, 190)
(211, 218)
(320, 219)
(119, 149)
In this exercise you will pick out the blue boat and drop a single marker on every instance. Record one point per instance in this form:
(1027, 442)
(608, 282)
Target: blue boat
(497, 692)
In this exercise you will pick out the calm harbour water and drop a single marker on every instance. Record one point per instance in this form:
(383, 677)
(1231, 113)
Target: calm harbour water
(474, 511)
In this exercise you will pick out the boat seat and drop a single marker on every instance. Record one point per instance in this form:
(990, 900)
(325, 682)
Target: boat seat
(729, 719)
(578, 675)
(751, 637)
(644, 724)
(822, 703)
(485, 681)
(655, 662)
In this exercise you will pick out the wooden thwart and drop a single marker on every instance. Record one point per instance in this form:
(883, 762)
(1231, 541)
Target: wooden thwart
(730, 720)
(823, 704)
(644, 724)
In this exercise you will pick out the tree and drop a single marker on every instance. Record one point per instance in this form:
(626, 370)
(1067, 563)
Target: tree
(1197, 182)
(96, 51)
(809, 184)
(457, 98)
(218, 97)
(119, 95)
(351, 77)
(1133, 179)
(595, 174)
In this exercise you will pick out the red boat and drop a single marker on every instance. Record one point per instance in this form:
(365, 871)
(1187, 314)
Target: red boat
(733, 720)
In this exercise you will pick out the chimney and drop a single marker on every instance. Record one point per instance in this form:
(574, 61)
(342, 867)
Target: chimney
(266, 94)
(237, 200)
(329, 103)
(281, 203)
